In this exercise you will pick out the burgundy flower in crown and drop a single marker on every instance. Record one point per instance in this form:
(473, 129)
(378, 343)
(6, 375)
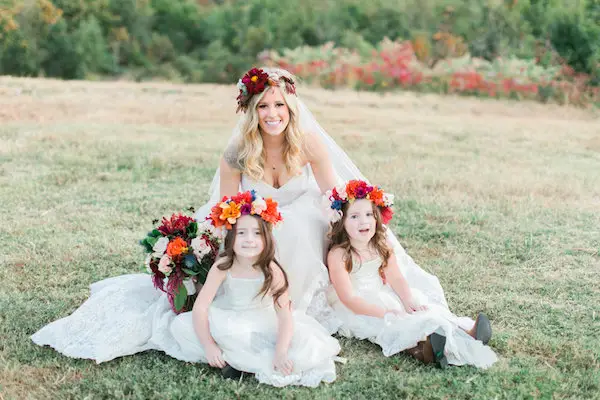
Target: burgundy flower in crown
(254, 82)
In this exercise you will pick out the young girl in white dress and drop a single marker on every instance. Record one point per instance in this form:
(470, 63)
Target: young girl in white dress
(243, 316)
(373, 299)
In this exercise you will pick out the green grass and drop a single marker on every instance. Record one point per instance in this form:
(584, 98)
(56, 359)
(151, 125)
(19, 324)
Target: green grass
(500, 200)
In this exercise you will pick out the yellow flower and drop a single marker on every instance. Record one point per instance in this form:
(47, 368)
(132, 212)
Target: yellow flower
(231, 212)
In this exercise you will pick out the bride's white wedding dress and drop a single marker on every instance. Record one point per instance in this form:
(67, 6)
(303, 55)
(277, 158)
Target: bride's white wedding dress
(126, 314)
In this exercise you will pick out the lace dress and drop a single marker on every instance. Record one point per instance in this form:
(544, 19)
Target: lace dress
(244, 326)
(397, 333)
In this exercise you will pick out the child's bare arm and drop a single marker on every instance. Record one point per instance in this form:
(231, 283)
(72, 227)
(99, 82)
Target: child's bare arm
(340, 278)
(200, 316)
(397, 281)
(285, 322)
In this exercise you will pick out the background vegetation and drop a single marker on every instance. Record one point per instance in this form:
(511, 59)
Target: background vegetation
(206, 41)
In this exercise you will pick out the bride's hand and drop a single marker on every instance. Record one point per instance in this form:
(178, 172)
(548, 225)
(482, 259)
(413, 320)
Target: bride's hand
(214, 355)
(282, 363)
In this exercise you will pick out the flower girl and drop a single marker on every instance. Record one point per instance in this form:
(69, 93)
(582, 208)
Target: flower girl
(243, 316)
(371, 296)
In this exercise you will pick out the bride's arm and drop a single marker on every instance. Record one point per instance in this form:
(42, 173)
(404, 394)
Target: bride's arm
(200, 316)
(320, 162)
(230, 178)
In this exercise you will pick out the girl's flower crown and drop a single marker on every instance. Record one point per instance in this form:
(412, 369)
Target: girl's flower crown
(255, 81)
(356, 190)
(227, 212)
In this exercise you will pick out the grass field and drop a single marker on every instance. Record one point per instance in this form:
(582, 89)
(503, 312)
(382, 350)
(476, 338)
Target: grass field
(501, 200)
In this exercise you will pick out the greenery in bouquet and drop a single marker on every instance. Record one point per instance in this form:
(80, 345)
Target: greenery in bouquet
(177, 251)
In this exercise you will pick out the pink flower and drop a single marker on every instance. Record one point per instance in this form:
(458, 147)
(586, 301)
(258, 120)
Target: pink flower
(163, 264)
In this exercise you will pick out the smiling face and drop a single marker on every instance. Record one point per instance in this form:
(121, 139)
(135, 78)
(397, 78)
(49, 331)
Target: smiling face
(360, 222)
(273, 112)
(248, 242)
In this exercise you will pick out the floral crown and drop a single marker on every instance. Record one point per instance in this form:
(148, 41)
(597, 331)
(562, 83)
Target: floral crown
(229, 209)
(255, 81)
(356, 190)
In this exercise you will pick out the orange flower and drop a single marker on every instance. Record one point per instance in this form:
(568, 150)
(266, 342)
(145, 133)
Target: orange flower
(215, 214)
(271, 214)
(231, 212)
(376, 196)
(351, 188)
(176, 247)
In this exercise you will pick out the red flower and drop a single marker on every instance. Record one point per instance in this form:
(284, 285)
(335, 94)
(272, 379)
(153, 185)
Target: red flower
(255, 81)
(271, 214)
(240, 198)
(386, 214)
(176, 223)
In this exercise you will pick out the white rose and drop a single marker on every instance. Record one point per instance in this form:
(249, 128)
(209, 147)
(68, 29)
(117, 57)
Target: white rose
(200, 247)
(206, 226)
(388, 199)
(160, 247)
(341, 190)
(163, 264)
(334, 215)
(259, 205)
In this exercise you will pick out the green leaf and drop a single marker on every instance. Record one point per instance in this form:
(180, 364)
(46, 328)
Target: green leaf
(151, 241)
(155, 233)
(202, 274)
(146, 245)
(190, 272)
(180, 297)
(192, 229)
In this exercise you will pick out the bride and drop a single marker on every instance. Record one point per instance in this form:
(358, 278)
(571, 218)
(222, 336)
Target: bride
(279, 150)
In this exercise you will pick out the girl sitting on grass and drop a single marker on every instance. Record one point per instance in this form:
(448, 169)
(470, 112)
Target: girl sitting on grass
(243, 318)
(371, 296)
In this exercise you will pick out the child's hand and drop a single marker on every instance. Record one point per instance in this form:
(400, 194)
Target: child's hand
(396, 312)
(282, 364)
(411, 307)
(214, 355)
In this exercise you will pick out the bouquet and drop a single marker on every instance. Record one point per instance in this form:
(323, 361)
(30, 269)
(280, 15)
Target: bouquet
(177, 250)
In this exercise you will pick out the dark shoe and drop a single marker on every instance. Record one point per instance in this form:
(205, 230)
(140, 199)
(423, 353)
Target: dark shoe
(482, 330)
(422, 352)
(228, 372)
(438, 343)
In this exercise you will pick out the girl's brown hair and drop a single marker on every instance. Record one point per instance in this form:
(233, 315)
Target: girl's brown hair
(338, 237)
(264, 261)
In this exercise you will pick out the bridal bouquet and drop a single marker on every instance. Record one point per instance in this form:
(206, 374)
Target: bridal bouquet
(177, 250)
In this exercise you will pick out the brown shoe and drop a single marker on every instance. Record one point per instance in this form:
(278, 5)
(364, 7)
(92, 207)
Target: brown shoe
(423, 352)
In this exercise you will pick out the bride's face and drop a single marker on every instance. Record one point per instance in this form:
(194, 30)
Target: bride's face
(273, 112)
(360, 223)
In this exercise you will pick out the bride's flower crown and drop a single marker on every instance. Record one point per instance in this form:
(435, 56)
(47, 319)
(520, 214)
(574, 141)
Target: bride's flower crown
(229, 209)
(356, 190)
(255, 81)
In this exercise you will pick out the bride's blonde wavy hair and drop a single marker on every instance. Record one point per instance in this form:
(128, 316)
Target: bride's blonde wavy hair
(251, 154)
